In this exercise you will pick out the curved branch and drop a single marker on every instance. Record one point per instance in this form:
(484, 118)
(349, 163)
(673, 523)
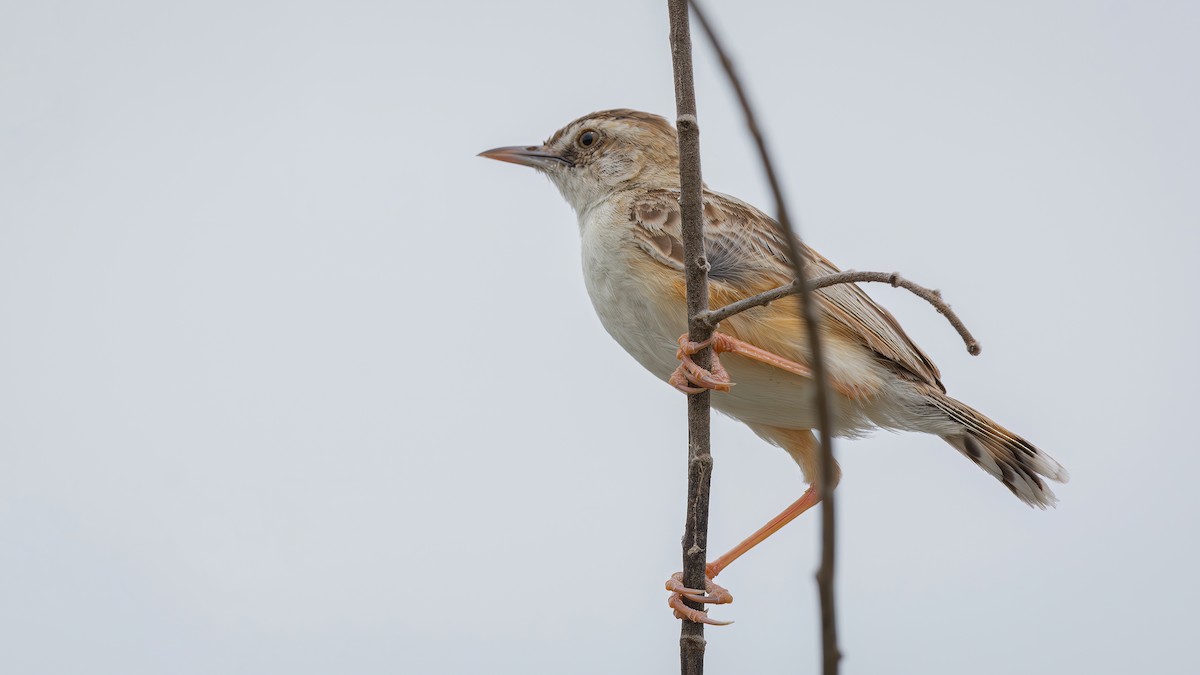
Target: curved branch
(933, 297)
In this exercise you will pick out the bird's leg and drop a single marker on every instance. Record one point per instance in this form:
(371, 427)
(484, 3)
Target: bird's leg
(804, 503)
(715, 594)
(692, 379)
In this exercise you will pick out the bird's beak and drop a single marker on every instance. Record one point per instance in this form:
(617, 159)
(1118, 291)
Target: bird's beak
(535, 155)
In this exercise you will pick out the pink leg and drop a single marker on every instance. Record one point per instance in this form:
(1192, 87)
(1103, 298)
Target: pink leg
(724, 343)
(692, 379)
(715, 594)
(804, 503)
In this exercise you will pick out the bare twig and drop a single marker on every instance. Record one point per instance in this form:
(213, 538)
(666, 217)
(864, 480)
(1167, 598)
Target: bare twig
(933, 297)
(695, 537)
(830, 653)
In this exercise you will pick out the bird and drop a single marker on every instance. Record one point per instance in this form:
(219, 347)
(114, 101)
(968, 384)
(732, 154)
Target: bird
(619, 170)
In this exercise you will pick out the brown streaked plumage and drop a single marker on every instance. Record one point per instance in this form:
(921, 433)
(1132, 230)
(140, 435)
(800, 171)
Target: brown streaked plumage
(619, 170)
(747, 255)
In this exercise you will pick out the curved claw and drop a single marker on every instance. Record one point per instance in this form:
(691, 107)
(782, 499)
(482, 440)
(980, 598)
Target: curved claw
(682, 611)
(680, 382)
(712, 594)
(716, 378)
(689, 373)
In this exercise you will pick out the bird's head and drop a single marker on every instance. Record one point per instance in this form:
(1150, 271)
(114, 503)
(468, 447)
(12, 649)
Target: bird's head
(602, 153)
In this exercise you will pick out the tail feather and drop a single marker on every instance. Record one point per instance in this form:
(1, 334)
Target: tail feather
(1006, 456)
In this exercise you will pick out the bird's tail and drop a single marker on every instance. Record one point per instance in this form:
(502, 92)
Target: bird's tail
(1011, 459)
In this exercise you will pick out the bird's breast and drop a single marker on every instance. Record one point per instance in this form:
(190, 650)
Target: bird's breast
(637, 304)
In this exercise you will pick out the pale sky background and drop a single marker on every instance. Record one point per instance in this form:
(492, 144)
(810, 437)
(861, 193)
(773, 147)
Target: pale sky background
(292, 382)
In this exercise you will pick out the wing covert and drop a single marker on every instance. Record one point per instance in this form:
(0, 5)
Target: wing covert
(747, 255)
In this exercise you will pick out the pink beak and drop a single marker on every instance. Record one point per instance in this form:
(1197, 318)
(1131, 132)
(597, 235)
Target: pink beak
(534, 155)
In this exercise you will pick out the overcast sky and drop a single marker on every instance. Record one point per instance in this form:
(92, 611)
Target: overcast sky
(292, 382)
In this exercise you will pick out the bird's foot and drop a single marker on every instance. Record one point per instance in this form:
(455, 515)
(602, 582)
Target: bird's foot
(712, 594)
(689, 377)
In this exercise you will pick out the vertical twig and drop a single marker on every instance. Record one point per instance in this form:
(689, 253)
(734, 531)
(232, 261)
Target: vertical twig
(830, 653)
(695, 537)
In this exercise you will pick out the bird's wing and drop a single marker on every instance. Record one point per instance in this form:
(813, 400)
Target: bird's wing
(747, 254)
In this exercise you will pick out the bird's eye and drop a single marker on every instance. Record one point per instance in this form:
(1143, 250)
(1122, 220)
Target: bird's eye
(588, 138)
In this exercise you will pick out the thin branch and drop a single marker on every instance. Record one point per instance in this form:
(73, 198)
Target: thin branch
(830, 653)
(695, 537)
(933, 297)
